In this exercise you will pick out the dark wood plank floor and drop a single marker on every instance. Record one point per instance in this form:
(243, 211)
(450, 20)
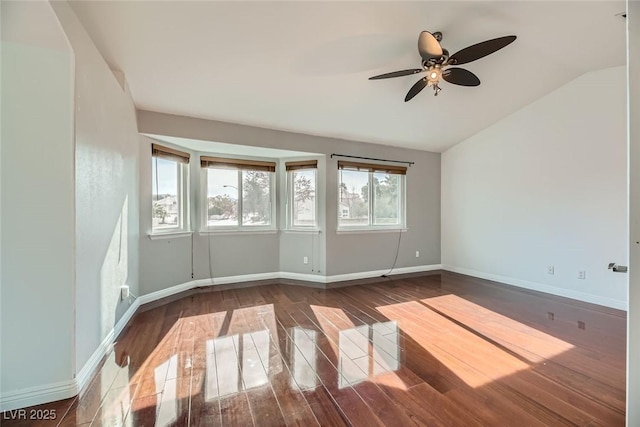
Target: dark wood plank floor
(436, 350)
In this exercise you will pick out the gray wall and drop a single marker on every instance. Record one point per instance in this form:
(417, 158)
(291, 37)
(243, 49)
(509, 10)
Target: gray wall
(37, 202)
(237, 255)
(106, 191)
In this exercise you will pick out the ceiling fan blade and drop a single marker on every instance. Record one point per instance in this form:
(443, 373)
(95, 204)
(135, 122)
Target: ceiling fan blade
(460, 76)
(416, 88)
(480, 50)
(428, 46)
(396, 74)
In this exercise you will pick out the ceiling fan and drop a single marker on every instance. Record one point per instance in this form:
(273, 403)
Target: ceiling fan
(436, 60)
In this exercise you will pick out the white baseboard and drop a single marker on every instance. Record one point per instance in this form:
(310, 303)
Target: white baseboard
(36, 395)
(84, 375)
(126, 317)
(567, 293)
(167, 292)
(314, 278)
(378, 273)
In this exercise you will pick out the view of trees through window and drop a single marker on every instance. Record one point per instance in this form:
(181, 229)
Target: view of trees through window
(230, 191)
(303, 198)
(165, 194)
(369, 198)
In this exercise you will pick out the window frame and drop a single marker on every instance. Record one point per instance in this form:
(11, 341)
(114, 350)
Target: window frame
(371, 226)
(181, 160)
(290, 188)
(240, 227)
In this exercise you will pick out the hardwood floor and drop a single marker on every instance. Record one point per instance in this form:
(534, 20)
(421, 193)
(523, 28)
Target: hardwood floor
(437, 350)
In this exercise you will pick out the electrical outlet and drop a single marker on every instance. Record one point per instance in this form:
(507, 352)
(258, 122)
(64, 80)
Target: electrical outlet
(582, 274)
(417, 254)
(124, 292)
(305, 260)
(581, 325)
(550, 269)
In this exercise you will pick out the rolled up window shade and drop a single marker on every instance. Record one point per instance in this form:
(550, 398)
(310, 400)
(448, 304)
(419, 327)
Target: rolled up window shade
(220, 162)
(370, 167)
(303, 164)
(167, 153)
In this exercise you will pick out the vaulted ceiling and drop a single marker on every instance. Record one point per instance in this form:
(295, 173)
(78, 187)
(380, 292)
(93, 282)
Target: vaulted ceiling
(304, 66)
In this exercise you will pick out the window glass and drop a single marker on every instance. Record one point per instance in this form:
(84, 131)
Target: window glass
(370, 200)
(222, 197)
(386, 206)
(256, 198)
(165, 194)
(353, 203)
(303, 198)
(239, 198)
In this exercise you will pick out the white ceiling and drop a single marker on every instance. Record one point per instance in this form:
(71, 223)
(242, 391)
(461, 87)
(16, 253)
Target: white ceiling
(303, 66)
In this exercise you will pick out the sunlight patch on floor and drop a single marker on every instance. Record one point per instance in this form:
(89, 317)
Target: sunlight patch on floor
(529, 343)
(471, 358)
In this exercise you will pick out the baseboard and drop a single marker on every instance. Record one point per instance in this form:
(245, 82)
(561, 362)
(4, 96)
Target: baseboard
(300, 277)
(313, 278)
(126, 317)
(378, 273)
(38, 395)
(567, 293)
(167, 292)
(86, 373)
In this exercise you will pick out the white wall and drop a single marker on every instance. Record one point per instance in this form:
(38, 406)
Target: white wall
(544, 186)
(633, 315)
(106, 163)
(37, 281)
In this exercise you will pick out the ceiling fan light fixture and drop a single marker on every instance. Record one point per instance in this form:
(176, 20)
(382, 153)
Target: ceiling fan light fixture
(434, 74)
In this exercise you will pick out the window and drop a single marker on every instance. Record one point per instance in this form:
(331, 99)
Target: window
(239, 193)
(370, 196)
(169, 169)
(302, 182)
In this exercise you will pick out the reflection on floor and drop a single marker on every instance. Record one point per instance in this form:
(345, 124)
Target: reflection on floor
(441, 349)
(367, 351)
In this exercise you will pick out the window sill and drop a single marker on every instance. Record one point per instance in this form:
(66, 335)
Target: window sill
(370, 230)
(301, 231)
(170, 235)
(231, 232)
